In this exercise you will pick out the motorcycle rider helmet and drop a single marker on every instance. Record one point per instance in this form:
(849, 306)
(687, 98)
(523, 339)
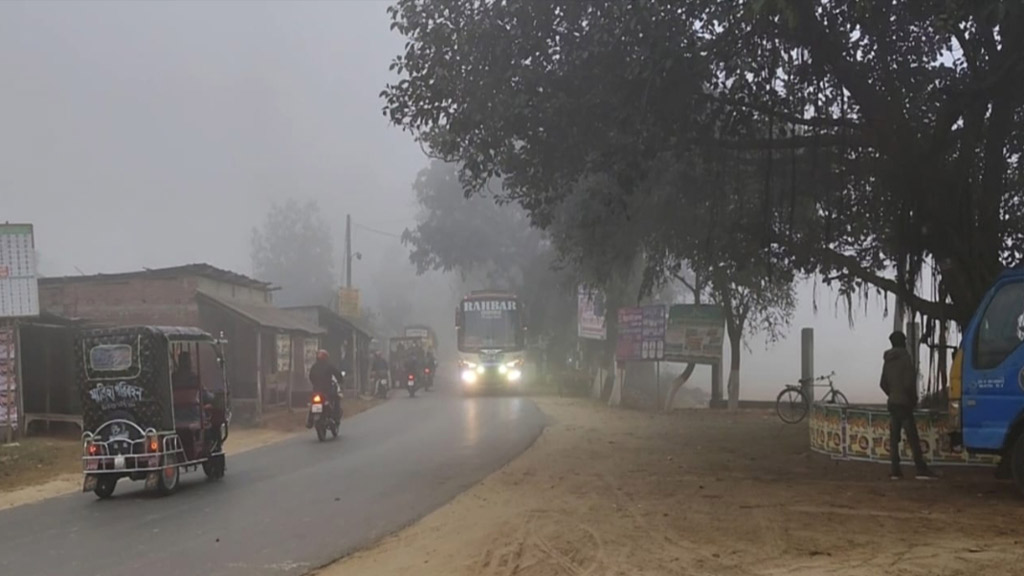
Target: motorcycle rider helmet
(322, 355)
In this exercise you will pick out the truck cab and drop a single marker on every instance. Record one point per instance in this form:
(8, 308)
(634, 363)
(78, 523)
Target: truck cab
(986, 400)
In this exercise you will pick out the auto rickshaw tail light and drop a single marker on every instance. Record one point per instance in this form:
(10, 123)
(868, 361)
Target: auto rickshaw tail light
(91, 449)
(153, 443)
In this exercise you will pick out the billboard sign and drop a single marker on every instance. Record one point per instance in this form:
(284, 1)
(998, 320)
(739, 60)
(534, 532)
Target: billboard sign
(590, 313)
(348, 302)
(641, 334)
(19, 290)
(695, 332)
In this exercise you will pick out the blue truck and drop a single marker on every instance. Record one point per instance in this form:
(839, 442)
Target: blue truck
(986, 400)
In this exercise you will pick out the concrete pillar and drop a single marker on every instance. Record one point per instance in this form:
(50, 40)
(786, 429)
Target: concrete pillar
(807, 361)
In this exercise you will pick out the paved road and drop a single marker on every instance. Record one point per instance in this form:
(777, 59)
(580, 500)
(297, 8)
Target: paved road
(282, 509)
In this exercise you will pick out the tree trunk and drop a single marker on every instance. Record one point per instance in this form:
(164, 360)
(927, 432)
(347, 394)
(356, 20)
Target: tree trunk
(735, 330)
(677, 384)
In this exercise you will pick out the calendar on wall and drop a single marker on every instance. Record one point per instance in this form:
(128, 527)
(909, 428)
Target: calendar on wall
(19, 289)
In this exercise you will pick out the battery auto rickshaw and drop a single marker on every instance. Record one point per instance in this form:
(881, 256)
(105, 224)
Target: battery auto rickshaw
(155, 403)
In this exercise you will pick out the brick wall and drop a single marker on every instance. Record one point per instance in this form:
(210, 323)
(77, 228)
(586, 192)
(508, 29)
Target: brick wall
(154, 301)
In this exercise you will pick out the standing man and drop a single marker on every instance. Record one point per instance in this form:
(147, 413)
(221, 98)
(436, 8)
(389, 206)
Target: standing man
(899, 382)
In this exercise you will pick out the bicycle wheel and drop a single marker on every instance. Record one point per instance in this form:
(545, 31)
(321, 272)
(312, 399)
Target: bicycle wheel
(836, 397)
(791, 405)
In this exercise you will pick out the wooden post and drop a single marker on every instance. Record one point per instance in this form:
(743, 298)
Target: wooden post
(807, 362)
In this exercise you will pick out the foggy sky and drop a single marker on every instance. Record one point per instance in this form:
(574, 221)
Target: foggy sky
(156, 134)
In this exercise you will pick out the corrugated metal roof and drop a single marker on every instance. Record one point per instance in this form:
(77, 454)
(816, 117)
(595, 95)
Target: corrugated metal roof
(203, 270)
(263, 315)
(357, 323)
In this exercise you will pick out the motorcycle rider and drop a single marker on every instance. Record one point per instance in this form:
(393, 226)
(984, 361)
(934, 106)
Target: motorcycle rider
(322, 376)
(431, 364)
(380, 369)
(412, 366)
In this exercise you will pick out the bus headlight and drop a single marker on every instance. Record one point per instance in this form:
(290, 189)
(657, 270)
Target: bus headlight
(502, 369)
(480, 369)
(469, 376)
(514, 375)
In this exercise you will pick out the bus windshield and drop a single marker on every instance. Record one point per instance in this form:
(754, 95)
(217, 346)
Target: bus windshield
(490, 324)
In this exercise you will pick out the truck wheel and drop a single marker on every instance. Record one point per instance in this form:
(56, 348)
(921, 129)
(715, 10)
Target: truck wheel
(1016, 456)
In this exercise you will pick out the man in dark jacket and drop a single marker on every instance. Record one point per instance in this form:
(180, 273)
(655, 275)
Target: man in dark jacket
(899, 382)
(322, 376)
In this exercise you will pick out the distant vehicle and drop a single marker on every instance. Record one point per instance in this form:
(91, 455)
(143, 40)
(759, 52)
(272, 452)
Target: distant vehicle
(491, 339)
(424, 333)
(155, 402)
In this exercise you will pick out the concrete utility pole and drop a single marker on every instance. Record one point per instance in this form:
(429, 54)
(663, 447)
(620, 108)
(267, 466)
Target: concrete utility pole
(348, 250)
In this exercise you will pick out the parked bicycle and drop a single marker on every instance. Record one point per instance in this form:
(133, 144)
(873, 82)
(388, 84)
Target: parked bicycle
(792, 405)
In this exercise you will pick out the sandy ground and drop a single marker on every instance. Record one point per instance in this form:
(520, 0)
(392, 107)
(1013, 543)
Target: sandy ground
(614, 492)
(53, 467)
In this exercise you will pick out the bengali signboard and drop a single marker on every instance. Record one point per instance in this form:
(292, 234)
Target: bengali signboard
(348, 302)
(694, 332)
(590, 313)
(8, 377)
(641, 334)
(19, 289)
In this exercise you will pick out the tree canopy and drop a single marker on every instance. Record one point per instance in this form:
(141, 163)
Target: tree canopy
(293, 250)
(859, 137)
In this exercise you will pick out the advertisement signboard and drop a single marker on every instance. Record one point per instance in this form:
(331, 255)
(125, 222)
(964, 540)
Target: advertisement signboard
(348, 302)
(590, 313)
(641, 334)
(19, 289)
(8, 378)
(695, 332)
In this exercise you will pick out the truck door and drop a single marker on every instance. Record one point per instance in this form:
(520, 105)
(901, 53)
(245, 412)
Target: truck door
(993, 381)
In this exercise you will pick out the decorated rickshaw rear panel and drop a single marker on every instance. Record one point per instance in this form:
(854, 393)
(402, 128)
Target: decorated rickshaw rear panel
(124, 373)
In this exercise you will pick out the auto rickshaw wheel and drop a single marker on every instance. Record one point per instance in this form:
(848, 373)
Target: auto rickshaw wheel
(215, 467)
(169, 477)
(105, 485)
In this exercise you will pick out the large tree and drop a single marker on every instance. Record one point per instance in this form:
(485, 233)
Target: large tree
(888, 134)
(293, 249)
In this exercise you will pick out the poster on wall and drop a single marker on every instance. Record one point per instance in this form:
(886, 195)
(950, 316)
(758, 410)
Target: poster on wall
(284, 353)
(858, 434)
(309, 350)
(8, 378)
(19, 289)
(590, 314)
(694, 332)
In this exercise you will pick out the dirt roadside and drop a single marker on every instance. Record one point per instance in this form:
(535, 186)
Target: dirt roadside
(614, 492)
(41, 468)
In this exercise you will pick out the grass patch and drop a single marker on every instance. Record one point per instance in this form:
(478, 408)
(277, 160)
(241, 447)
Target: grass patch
(37, 460)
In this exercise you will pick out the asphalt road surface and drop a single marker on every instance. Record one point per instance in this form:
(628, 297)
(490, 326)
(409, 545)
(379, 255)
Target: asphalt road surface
(282, 509)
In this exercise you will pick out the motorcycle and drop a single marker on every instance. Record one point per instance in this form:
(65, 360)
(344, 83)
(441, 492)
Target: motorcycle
(321, 416)
(411, 384)
(428, 379)
(380, 390)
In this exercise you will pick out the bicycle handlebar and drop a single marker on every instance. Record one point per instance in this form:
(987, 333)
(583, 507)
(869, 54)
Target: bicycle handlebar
(828, 377)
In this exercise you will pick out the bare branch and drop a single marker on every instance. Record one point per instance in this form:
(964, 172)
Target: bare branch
(854, 269)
